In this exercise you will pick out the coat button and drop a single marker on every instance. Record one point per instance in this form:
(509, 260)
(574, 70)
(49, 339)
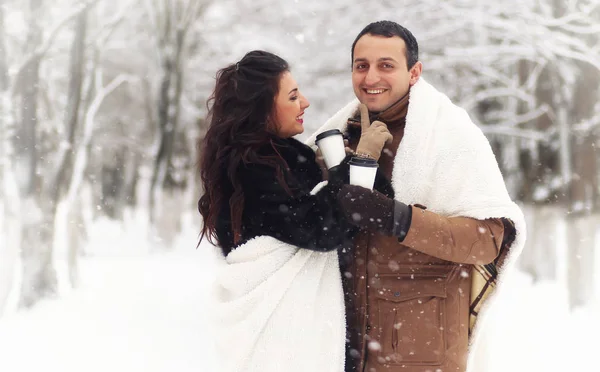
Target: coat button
(397, 294)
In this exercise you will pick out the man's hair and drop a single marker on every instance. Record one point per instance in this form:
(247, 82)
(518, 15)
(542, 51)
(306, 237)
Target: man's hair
(390, 29)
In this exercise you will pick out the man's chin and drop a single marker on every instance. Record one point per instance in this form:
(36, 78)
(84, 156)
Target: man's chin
(376, 107)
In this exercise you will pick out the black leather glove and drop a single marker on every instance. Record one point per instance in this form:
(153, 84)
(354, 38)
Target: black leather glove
(340, 174)
(371, 210)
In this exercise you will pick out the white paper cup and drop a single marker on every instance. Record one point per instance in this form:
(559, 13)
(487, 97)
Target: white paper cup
(331, 143)
(363, 171)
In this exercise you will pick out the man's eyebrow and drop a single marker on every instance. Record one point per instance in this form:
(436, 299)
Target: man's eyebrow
(382, 59)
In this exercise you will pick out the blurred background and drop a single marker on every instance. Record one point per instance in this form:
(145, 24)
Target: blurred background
(101, 105)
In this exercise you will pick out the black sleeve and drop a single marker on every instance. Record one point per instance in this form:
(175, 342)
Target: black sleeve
(308, 221)
(383, 185)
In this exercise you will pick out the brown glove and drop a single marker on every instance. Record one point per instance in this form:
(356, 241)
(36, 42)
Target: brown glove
(373, 136)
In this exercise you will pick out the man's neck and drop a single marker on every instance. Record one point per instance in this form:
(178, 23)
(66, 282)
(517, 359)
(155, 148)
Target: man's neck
(394, 117)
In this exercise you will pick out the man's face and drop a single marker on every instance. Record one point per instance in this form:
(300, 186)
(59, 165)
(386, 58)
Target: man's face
(380, 74)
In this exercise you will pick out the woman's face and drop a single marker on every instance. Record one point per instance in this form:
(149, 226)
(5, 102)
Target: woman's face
(289, 107)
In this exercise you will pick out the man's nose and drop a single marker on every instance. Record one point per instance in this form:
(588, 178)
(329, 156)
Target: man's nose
(372, 77)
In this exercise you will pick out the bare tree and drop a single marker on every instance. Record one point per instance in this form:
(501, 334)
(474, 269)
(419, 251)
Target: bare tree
(526, 71)
(80, 145)
(583, 190)
(81, 160)
(171, 21)
(10, 216)
(39, 277)
(40, 194)
(67, 153)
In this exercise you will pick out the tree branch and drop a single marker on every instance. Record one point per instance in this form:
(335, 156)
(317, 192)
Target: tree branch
(514, 132)
(42, 49)
(471, 101)
(109, 27)
(81, 155)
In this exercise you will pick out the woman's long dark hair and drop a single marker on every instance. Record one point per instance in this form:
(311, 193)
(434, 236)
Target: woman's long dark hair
(239, 125)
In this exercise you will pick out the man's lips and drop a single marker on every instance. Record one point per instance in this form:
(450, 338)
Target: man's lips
(374, 91)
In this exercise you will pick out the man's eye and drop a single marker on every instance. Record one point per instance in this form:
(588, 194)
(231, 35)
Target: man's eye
(387, 65)
(360, 67)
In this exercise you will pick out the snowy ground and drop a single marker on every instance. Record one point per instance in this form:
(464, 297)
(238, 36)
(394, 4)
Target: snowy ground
(141, 312)
(131, 314)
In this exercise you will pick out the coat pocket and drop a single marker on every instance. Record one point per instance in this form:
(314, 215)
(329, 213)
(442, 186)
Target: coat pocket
(409, 328)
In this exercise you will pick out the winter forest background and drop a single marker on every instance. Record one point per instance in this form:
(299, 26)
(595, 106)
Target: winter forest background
(101, 104)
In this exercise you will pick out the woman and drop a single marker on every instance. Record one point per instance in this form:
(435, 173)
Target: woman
(279, 303)
(257, 178)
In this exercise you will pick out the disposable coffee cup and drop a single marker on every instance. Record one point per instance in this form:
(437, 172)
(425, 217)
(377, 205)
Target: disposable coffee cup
(363, 171)
(331, 143)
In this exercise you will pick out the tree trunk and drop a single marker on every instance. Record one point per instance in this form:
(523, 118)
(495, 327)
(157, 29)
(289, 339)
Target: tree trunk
(580, 264)
(74, 201)
(76, 65)
(10, 226)
(171, 22)
(111, 185)
(4, 82)
(76, 238)
(583, 191)
(539, 259)
(127, 196)
(537, 163)
(167, 127)
(74, 220)
(168, 121)
(39, 277)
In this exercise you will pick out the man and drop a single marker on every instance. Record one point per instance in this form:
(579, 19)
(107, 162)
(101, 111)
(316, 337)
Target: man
(430, 250)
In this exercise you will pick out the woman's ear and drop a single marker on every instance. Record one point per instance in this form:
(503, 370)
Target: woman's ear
(271, 125)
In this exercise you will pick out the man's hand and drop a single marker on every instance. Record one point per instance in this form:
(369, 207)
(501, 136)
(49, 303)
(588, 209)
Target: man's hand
(373, 136)
(347, 148)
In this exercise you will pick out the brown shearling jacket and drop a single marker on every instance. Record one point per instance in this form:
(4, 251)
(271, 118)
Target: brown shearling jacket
(407, 303)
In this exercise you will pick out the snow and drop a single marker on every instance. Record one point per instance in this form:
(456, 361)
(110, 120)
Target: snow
(132, 314)
(139, 309)
(540, 333)
(134, 311)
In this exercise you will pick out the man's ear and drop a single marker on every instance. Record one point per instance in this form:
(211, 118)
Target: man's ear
(415, 73)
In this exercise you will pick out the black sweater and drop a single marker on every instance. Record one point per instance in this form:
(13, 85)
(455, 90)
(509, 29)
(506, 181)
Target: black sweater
(308, 221)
